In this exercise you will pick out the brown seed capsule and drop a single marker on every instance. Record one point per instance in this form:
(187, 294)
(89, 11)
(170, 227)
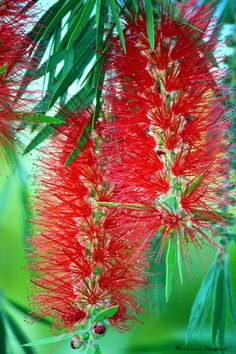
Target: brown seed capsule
(76, 342)
(99, 328)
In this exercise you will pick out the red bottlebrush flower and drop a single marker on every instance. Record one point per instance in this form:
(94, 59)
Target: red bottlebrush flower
(81, 261)
(14, 47)
(165, 129)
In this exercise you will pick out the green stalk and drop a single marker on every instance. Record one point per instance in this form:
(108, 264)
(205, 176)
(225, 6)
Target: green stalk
(125, 205)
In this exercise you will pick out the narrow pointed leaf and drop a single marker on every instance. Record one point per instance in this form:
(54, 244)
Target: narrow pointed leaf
(55, 17)
(82, 21)
(179, 259)
(107, 313)
(83, 98)
(118, 22)
(170, 268)
(229, 291)
(193, 184)
(134, 4)
(76, 69)
(82, 139)
(150, 23)
(96, 112)
(40, 30)
(98, 13)
(3, 69)
(26, 311)
(20, 335)
(54, 339)
(185, 22)
(2, 333)
(198, 307)
(40, 118)
(91, 350)
(39, 138)
(218, 324)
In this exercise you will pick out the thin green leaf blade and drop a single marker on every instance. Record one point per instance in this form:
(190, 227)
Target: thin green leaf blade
(82, 21)
(170, 268)
(107, 313)
(193, 184)
(218, 323)
(118, 23)
(82, 139)
(39, 138)
(76, 69)
(179, 260)
(20, 335)
(24, 310)
(150, 23)
(3, 68)
(200, 301)
(229, 291)
(40, 118)
(54, 339)
(54, 18)
(2, 329)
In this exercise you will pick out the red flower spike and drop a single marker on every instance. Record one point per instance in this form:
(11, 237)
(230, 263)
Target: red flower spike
(164, 127)
(14, 49)
(81, 258)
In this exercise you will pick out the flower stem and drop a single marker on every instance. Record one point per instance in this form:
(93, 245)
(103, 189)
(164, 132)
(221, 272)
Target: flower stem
(125, 205)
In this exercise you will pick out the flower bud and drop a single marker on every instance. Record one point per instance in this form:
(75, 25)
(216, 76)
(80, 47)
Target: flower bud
(76, 342)
(99, 328)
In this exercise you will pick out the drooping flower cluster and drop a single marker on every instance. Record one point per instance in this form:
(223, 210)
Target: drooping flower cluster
(157, 163)
(165, 128)
(83, 259)
(14, 47)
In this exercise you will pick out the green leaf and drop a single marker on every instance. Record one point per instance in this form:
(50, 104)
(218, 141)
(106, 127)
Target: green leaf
(185, 22)
(20, 335)
(26, 312)
(55, 17)
(41, 28)
(83, 98)
(134, 5)
(90, 350)
(170, 268)
(228, 15)
(218, 324)
(193, 184)
(150, 23)
(118, 23)
(96, 112)
(52, 62)
(3, 69)
(39, 138)
(81, 141)
(107, 313)
(76, 68)
(72, 23)
(98, 13)
(54, 339)
(204, 294)
(2, 333)
(179, 259)
(40, 118)
(229, 291)
(98, 350)
(82, 21)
